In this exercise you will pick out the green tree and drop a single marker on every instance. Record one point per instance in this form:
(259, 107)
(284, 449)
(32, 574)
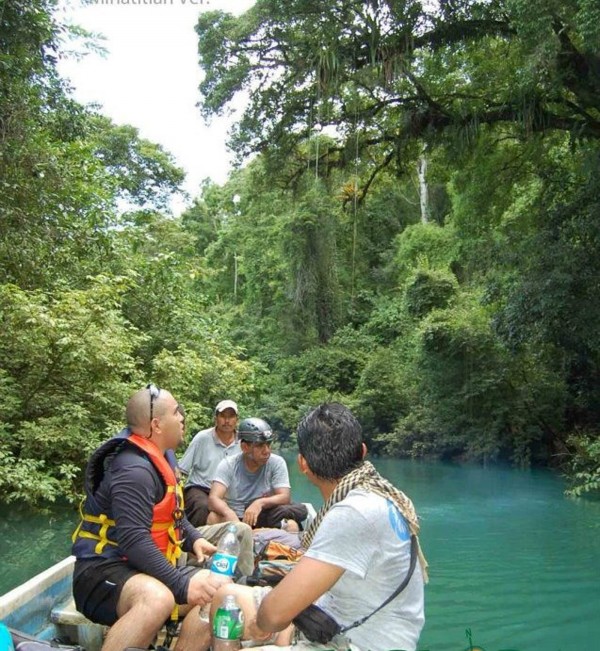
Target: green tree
(142, 172)
(312, 252)
(67, 368)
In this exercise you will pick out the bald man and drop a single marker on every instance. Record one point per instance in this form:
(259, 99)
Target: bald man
(133, 530)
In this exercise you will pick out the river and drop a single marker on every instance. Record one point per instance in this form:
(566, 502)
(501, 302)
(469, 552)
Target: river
(512, 561)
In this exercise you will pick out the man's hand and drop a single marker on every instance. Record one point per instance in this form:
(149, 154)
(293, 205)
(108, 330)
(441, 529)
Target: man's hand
(202, 548)
(252, 632)
(252, 512)
(229, 515)
(202, 588)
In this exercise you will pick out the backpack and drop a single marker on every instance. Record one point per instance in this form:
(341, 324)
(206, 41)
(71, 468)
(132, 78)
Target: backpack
(272, 562)
(274, 550)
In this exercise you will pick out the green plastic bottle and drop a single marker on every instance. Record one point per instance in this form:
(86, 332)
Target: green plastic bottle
(228, 625)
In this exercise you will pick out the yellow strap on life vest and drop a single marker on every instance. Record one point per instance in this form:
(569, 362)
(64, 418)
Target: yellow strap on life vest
(103, 520)
(174, 546)
(76, 532)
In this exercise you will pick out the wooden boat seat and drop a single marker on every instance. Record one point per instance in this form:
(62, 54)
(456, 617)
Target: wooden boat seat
(76, 626)
(89, 635)
(67, 615)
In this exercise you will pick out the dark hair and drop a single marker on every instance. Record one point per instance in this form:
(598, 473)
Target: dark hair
(330, 439)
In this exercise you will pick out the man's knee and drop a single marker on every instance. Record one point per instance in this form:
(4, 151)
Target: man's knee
(147, 593)
(246, 557)
(215, 518)
(244, 531)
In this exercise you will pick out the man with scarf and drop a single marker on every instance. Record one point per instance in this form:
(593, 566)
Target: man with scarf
(360, 549)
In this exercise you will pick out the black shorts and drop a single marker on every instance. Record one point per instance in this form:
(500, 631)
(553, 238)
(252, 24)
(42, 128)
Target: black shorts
(97, 586)
(98, 583)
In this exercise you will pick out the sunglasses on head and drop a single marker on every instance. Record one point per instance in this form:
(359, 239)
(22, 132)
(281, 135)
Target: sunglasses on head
(154, 392)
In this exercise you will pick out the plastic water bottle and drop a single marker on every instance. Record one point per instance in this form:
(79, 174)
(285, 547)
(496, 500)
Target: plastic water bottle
(228, 626)
(224, 562)
(225, 558)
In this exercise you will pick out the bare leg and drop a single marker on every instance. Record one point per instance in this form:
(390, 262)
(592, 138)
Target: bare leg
(144, 606)
(284, 638)
(195, 634)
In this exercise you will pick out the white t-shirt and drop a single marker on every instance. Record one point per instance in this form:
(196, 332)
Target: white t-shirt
(367, 536)
(243, 486)
(203, 455)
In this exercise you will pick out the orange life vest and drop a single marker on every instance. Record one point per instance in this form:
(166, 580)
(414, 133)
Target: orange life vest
(97, 528)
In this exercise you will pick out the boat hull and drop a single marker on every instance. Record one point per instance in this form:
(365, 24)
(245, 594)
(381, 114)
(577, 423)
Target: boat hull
(27, 607)
(43, 607)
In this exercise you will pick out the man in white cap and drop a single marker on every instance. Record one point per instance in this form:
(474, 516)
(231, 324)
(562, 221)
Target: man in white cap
(207, 449)
(199, 463)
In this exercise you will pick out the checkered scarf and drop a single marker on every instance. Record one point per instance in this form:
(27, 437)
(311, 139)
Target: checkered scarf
(367, 478)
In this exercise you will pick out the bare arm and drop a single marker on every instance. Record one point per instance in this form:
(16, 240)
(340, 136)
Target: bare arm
(217, 503)
(280, 496)
(303, 585)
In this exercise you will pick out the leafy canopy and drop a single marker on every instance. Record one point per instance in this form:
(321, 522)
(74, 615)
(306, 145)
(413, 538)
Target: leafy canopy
(397, 70)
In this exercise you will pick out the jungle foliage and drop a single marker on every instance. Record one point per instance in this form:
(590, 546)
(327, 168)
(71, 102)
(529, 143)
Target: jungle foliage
(468, 330)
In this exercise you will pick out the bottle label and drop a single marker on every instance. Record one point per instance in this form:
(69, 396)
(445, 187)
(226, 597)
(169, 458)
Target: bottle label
(228, 624)
(223, 564)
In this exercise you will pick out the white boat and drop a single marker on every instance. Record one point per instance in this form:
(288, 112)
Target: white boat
(43, 607)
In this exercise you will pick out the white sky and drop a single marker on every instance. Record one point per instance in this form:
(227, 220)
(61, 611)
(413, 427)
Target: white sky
(150, 77)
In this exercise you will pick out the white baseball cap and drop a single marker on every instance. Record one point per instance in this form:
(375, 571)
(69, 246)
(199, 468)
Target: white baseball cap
(226, 404)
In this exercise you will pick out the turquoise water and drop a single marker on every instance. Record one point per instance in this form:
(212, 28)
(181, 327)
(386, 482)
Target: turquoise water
(31, 542)
(511, 559)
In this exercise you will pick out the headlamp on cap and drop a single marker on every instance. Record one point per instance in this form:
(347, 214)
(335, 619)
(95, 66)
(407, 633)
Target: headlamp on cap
(255, 430)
